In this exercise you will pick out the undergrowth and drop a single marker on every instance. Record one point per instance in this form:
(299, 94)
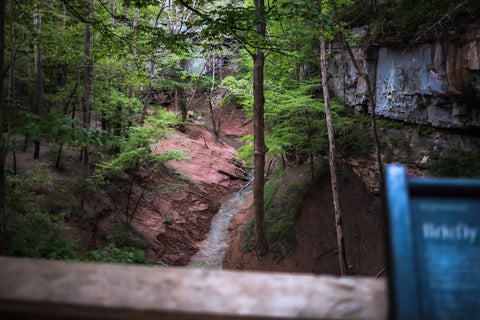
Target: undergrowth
(112, 254)
(37, 205)
(283, 204)
(35, 223)
(454, 163)
(410, 18)
(32, 228)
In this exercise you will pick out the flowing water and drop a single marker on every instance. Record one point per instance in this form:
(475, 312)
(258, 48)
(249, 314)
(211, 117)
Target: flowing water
(212, 250)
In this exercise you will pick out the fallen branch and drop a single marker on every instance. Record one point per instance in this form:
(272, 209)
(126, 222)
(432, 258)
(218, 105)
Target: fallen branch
(232, 176)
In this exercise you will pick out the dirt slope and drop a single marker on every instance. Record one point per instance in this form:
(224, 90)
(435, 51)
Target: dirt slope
(315, 250)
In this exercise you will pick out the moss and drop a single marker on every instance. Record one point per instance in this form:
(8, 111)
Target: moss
(392, 124)
(425, 130)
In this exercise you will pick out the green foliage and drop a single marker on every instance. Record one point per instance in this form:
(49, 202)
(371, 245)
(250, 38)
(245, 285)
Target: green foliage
(454, 163)
(60, 129)
(249, 232)
(282, 207)
(120, 234)
(31, 228)
(139, 3)
(40, 177)
(352, 134)
(295, 120)
(408, 18)
(134, 158)
(240, 93)
(135, 153)
(391, 124)
(245, 152)
(126, 235)
(171, 187)
(271, 189)
(282, 231)
(163, 120)
(112, 254)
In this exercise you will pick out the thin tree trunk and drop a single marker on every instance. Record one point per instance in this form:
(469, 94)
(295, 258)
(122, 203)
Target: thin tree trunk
(151, 71)
(3, 152)
(215, 121)
(331, 159)
(373, 107)
(64, 66)
(181, 103)
(371, 98)
(59, 156)
(39, 101)
(213, 71)
(135, 24)
(259, 140)
(134, 46)
(113, 10)
(129, 197)
(12, 92)
(87, 85)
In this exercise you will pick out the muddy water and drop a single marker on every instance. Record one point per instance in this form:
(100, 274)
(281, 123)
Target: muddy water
(212, 250)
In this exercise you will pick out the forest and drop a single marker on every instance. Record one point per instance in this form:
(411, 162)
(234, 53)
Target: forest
(93, 90)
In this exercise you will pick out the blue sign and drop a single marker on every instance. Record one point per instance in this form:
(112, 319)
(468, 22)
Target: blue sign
(434, 235)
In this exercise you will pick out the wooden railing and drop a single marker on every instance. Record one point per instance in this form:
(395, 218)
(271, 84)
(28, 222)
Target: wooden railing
(40, 289)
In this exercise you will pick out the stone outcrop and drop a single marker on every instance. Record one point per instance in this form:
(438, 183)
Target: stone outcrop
(435, 83)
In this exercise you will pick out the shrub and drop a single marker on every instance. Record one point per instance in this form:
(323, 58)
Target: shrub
(112, 254)
(249, 231)
(454, 163)
(32, 229)
(282, 207)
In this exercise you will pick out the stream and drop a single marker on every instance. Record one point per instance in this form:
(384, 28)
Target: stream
(212, 249)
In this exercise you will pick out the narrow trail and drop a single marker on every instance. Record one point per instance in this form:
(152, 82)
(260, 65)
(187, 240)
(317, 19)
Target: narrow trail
(212, 249)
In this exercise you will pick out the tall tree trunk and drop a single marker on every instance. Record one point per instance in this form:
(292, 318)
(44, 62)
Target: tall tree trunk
(135, 24)
(371, 98)
(213, 71)
(3, 151)
(64, 65)
(259, 140)
(331, 159)
(12, 92)
(87, 85)
(134, 46)
(39, 91)
(373, 107)
(151, 71)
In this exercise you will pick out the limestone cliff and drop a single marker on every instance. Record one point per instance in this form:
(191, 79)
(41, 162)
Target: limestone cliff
(435, 83)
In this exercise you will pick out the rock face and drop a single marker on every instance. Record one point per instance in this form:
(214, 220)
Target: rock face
(435, 83)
